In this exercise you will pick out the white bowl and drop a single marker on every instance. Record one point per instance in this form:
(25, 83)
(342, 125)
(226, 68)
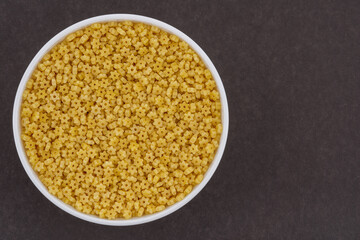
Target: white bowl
(17, 125)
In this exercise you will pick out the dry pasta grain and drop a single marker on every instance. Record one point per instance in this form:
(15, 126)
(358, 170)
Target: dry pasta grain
(121, 119)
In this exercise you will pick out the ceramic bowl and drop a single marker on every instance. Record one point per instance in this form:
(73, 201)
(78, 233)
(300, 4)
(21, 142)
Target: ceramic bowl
(17, 126)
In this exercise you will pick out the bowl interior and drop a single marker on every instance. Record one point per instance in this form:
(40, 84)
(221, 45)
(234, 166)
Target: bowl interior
(17, 123)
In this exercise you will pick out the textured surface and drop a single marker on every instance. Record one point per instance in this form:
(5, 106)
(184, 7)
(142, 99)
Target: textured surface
(291, 72)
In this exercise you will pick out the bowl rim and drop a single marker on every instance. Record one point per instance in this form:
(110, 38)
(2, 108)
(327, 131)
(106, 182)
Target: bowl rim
(16, 123)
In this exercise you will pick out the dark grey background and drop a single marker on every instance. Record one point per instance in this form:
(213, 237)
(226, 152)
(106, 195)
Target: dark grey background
(291, 169)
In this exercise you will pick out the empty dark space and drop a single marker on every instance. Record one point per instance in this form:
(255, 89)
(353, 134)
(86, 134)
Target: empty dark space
(291, 168)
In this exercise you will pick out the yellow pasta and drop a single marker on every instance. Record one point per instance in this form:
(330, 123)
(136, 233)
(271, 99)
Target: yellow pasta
(121, 119)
